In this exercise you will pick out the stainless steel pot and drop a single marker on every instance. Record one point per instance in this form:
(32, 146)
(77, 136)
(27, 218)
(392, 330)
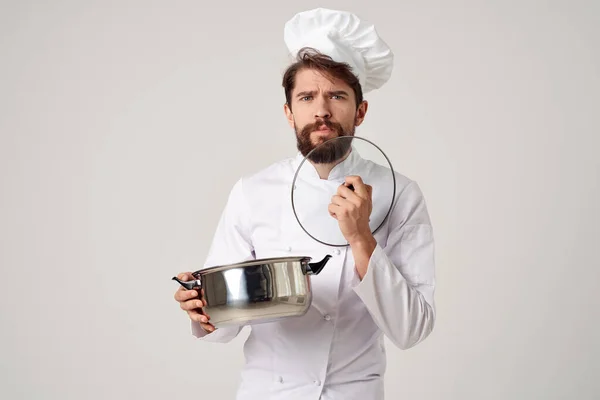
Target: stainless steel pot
(256, 291)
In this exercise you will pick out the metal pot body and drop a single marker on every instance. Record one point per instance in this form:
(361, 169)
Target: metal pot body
(256, 291)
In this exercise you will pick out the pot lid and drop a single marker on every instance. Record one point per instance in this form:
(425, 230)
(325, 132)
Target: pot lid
(251, 263)
(312, 193)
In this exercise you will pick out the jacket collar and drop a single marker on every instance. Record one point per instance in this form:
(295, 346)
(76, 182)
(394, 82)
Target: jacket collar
(344, 168)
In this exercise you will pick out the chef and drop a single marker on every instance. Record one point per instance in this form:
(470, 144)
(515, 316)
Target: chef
(381, 285)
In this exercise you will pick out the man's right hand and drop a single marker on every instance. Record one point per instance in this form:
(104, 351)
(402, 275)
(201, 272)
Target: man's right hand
(189, 302)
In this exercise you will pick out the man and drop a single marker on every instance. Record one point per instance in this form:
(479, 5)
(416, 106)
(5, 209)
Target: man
(380, 285)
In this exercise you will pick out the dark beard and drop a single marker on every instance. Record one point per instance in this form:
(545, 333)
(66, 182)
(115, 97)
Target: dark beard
(328, 153)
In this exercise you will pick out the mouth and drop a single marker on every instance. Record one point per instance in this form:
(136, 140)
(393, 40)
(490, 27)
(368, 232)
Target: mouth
(323, 129)
(324, 134)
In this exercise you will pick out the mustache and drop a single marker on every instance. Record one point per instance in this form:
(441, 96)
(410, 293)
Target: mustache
(334, 126)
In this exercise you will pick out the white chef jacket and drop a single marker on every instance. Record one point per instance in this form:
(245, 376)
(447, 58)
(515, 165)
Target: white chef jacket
(336, 350)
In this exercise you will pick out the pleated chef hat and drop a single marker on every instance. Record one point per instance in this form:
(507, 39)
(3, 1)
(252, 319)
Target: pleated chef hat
(345, 38)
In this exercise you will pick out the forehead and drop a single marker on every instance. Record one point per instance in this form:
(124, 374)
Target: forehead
(310, 79)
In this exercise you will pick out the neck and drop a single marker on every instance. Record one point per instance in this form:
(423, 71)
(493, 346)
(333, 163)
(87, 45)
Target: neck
(324, 169)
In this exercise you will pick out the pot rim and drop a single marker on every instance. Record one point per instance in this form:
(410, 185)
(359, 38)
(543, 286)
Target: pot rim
(248, 263)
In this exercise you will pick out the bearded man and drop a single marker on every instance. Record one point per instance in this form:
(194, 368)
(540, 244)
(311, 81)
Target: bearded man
(380, 285)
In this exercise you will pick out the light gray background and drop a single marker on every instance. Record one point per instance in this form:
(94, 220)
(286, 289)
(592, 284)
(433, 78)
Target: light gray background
(125, 123)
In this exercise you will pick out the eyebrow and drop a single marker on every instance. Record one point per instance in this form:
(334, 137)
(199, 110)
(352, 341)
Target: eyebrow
(331, 93)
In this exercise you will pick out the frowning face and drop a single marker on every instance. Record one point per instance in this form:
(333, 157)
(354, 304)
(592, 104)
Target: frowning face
(321, 109)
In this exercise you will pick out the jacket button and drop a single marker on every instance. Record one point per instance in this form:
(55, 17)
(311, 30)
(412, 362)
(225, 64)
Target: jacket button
(327, 317)
(280, 379)
(337, 252)
(318, 382)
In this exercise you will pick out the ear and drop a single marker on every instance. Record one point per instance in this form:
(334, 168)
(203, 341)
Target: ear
(289, 115)
(361, 112)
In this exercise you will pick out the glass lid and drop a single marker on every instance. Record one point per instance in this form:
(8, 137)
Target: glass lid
(320, 205)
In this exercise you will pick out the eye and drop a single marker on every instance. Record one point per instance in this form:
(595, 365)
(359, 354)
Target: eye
(305, 98)
(339, 97)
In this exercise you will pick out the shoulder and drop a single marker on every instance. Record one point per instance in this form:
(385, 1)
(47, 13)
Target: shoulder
(403, 183)
(409, 200)
(272, 176)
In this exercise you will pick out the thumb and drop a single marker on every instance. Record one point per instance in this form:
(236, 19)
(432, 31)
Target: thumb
(185, 276)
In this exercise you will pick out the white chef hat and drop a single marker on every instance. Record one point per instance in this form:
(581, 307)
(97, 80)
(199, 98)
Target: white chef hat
(345, 38)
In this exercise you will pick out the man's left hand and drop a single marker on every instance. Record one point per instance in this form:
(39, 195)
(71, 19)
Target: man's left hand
(352, 209)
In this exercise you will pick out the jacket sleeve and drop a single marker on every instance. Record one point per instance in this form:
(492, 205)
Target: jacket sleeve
(231, 244)
(398, 287)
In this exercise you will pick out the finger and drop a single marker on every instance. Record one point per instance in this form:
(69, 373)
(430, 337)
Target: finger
(346, 207)
(354, 180)
(350, 196)
(359, 186)
(185, 276)
(340, 201)
(339, 211)
(208, 327)
(191, 305)
(193, 308)
(182, 294)
(332, 210)
(198, 317)
(345, 192)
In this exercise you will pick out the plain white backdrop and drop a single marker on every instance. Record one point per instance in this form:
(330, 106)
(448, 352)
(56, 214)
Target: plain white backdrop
(124, 124)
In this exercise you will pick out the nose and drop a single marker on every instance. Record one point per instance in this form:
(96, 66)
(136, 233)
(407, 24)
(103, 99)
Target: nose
(323, 114)
(322, 109)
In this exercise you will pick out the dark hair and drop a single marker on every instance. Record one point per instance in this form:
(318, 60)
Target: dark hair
(309, 58)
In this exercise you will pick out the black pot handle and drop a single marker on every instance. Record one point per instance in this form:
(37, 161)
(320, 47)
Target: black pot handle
(315, 268)
(191, 285)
